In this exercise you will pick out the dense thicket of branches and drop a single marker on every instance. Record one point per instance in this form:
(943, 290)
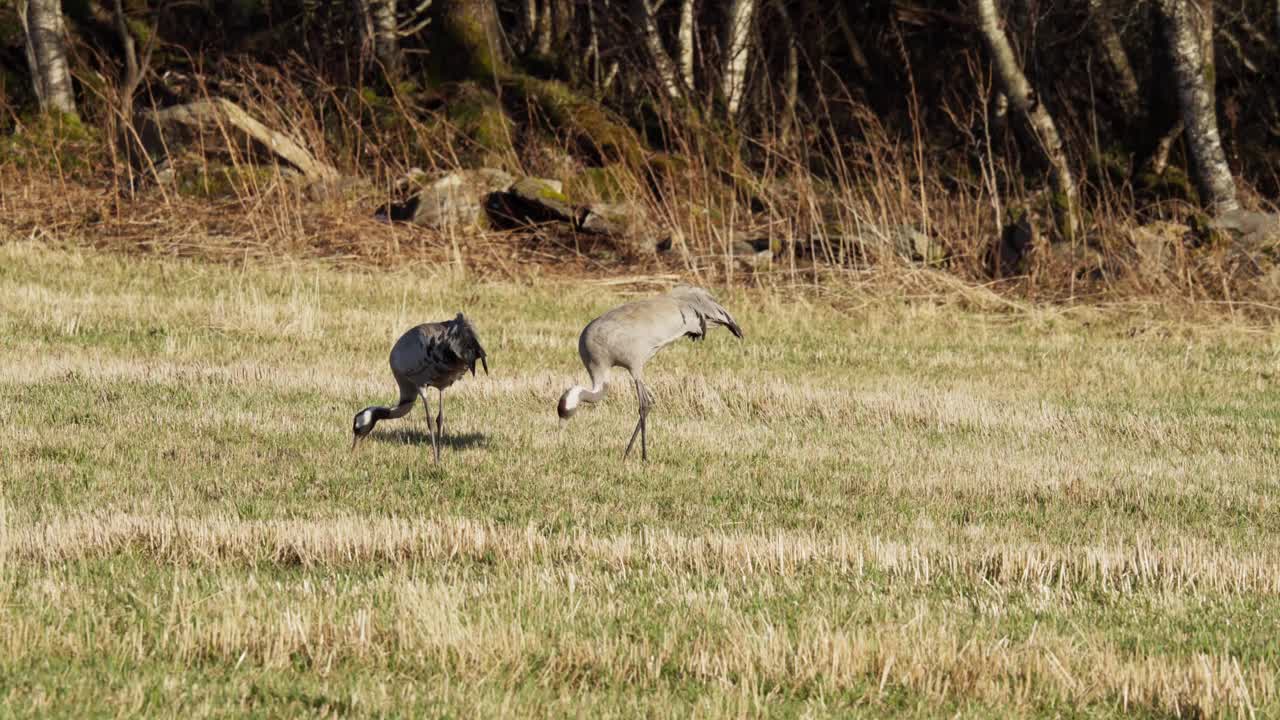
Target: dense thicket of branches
(1100, 90)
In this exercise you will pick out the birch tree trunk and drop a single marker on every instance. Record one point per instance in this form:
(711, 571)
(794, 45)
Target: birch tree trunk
(684, 37)
(643, 18)
(737, 49)
(379, 34)
(386, 38)
(1021, 99)
(47, 54)
(1185, 27)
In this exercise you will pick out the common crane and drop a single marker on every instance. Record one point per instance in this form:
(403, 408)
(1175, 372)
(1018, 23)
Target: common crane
(429, 355)
(628, 335)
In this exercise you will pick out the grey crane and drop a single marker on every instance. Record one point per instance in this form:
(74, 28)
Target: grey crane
(628, 335)
(429, 355)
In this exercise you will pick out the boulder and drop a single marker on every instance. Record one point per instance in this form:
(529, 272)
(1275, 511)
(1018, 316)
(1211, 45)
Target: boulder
(611, 219)
(625, 223)
(754, 254)
(530, 201)
(909, 243)
(454, 200)
(1249, 230)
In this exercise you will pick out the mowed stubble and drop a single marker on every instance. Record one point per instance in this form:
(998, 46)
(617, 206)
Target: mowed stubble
(907, 508)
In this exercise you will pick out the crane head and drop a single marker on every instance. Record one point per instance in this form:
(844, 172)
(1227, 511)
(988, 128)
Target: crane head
(568, 403)
(362, 424)
(467, 344)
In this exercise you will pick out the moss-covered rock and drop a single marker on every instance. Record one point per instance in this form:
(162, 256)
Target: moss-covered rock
(55, 142)
(478, 115)
(453, 201)
(1172, 184)
(605, 184)
(531, 201)
(595, 134)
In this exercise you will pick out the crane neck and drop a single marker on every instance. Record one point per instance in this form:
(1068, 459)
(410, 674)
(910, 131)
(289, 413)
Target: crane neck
(592, 395)
(576, 395)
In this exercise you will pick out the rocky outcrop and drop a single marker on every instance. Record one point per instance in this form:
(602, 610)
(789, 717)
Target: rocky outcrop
(450, 202)
(492, 198)
(1248, 230)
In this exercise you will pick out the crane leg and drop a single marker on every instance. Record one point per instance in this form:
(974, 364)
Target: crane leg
(426, 408)
(642, 394)
(440, 418)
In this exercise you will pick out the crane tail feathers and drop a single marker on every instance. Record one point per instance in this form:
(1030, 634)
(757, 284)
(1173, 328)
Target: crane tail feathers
(707, 308)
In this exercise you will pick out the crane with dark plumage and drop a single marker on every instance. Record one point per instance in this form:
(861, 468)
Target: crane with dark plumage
(629, 335)
(429, 355)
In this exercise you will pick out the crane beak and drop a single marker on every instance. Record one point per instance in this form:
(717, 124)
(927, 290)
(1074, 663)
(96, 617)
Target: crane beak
(485, 363)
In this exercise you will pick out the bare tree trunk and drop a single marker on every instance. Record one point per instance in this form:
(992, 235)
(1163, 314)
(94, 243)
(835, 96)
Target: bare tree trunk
(526, 25)
(737, 52)
(593, 46)
(1185, 27)
(1126, 88)
(364, 29)
(1021, 99)
(47, 54)
(542, 38)
(380, 33)
(643, 18)
(386, 37)
(791, 73)
(684, 38)
(468, 39)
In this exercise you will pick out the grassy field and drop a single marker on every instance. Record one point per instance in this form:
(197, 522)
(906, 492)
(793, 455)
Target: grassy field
(894, 509)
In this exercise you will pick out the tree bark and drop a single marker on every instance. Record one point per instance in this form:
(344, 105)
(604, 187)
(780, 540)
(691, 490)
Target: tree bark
(1185, 27)
(737, 48)
(47, 54)
(468, 40)
(542, 42)
(1164, 146)
(526, 25)
(1126, 88)
(791, 73)
(380, 32)
(1022, 100)
(386, 37)
(684, 39)
(645, 22)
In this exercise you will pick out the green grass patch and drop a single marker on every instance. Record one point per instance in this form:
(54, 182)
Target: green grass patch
(908, 510)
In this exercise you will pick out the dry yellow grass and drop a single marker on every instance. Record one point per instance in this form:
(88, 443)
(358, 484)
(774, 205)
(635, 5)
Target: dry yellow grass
(903, 509)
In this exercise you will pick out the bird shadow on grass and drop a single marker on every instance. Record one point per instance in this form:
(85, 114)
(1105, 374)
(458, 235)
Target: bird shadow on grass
(453, 441)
